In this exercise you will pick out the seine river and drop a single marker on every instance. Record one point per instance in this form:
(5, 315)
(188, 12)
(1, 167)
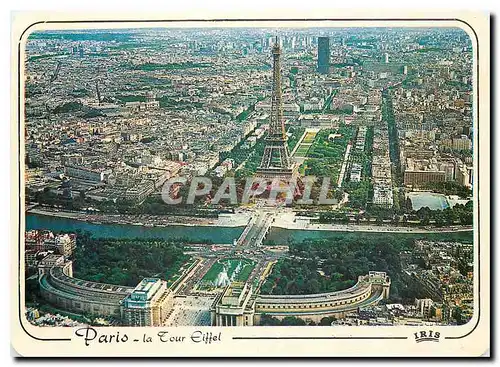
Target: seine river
(192, 233)
(219, 235)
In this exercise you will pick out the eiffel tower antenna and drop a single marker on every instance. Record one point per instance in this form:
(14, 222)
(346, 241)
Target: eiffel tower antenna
(276, 160)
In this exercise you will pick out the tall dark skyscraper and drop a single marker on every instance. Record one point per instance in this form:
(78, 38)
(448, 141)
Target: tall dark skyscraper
(323, 54)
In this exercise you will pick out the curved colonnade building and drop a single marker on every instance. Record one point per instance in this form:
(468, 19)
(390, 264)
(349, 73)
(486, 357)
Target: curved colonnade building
(151, 301)
(147, 304)
(238, 306)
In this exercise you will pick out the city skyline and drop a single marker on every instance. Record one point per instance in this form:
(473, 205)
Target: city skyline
(118, 120)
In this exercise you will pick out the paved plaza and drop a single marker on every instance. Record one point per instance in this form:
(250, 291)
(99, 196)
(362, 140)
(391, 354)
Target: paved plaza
(190, 311)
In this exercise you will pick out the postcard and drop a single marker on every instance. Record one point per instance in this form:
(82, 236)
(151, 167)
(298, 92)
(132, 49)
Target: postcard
(210, 184)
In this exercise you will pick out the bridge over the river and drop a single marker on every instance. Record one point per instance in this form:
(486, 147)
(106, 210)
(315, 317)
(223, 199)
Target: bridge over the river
(256, 230)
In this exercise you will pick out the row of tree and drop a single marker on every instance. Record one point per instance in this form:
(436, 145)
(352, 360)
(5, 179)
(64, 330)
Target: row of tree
(126, 261)
(335, 263)
(459, 214)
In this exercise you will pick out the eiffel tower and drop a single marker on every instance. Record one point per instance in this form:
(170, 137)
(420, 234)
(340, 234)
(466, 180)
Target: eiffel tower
(276, 160)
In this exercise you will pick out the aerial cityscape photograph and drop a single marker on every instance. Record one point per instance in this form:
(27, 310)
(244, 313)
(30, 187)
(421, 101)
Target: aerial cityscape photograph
(248, 176)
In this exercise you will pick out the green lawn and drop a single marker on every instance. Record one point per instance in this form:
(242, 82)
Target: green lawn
(309, 138)
(302, 150)
(325, 157)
